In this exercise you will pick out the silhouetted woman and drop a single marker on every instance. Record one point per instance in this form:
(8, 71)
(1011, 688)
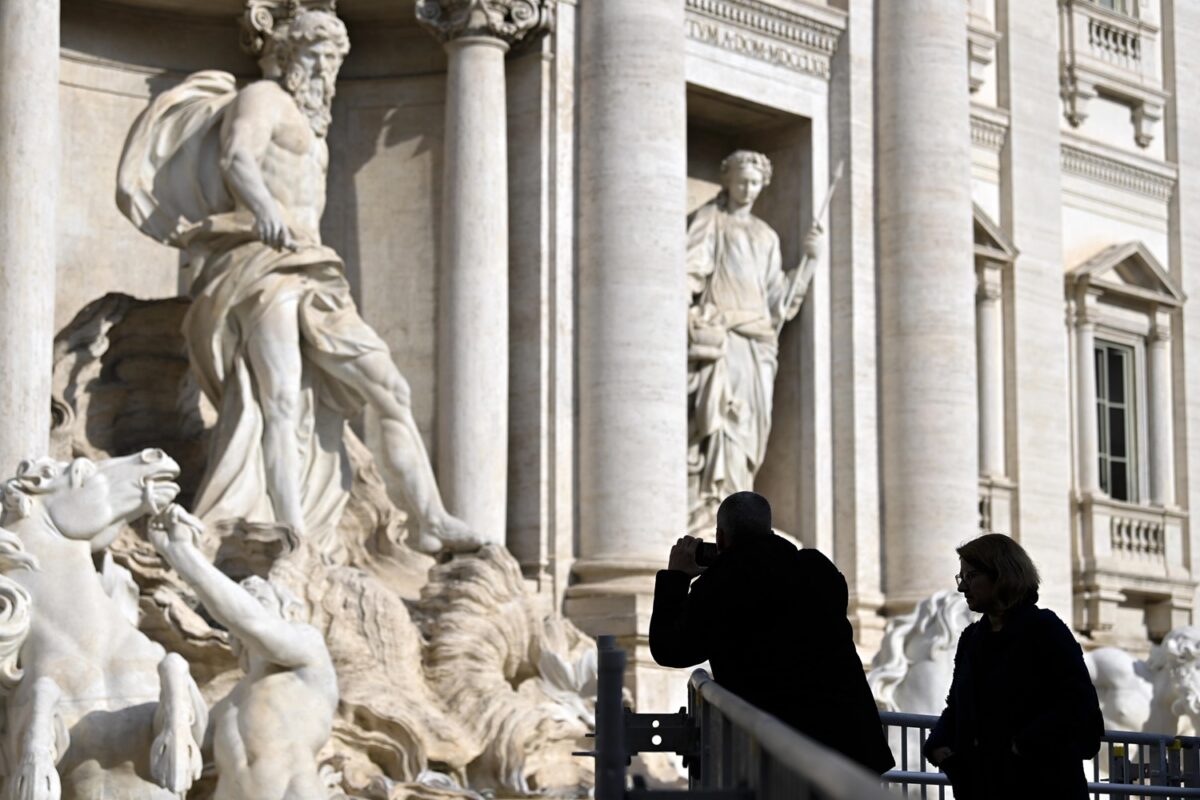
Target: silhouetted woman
(1022, 713)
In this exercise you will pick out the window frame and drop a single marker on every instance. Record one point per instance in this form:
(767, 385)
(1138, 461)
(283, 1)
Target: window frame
(1104, 406)
(1126, 330)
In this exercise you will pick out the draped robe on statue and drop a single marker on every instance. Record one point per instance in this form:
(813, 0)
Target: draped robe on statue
(737, 286)
(171, 186)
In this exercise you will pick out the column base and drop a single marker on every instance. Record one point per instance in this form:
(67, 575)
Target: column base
(622, 609)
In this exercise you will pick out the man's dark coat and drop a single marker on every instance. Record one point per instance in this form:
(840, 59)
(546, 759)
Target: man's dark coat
(1046, 705)
(771, 621)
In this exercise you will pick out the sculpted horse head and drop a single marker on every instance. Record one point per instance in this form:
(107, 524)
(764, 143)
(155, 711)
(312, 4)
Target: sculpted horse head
(95, 704)
(85, 500)
(915, 663)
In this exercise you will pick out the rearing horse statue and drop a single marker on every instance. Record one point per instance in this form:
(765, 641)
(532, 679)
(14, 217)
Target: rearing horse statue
(95, 709)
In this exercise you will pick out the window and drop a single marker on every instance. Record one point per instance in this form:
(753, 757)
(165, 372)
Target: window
(1121, 6)
(1114, 417)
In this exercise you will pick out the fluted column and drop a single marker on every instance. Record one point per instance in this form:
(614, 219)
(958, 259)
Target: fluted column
(29, 157)
(632, 296)
(472, 327)
(1162, 435)
(989, 344)
(1085, 394)
(632, 323)
(928, 401)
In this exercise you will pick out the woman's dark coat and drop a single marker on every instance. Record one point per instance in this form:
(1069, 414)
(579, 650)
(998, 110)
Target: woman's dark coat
(771, 621)
(1043, 702)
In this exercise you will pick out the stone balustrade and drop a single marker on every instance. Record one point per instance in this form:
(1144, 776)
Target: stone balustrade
(1114, 54)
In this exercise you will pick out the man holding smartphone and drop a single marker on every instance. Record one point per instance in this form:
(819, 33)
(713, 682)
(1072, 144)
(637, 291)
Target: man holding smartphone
(771, 621)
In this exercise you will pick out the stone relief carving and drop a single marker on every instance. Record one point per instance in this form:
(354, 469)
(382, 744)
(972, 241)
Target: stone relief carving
(454, 667)
(508, 20)
(787, 38)
(740, 299)
(95, 709)
(236, 180)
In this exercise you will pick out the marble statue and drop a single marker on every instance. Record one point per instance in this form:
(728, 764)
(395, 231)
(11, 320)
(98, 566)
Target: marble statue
(740, 299)
(236, 180)
(268, 731)
(449, 673)
(93, 708)
(915, 663)
(1158, 695)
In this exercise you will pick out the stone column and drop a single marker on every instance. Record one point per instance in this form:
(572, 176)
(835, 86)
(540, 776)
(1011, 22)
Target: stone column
(1162, 435)
(472, 333)
(29, 158)
(1039, 441)
(928, 403)
(989, 349)
(1085, 395)
(632, 300)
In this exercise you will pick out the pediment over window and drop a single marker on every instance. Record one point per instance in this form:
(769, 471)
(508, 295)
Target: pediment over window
(990, 239)
(1128, 271)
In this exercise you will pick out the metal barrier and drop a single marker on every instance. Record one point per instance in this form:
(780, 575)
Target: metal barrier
(732, 750)
(1129, 765)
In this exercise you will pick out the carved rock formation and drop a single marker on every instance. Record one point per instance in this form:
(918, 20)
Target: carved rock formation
(453, 669)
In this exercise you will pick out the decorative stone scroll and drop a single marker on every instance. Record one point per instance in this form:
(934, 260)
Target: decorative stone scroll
(508, 20)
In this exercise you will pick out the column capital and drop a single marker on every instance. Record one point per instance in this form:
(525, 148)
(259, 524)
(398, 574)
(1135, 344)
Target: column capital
(510, 21)
(1160, 331)
(989, 281)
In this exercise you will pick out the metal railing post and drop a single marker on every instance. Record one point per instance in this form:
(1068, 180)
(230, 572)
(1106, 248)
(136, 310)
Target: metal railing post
(611, 759)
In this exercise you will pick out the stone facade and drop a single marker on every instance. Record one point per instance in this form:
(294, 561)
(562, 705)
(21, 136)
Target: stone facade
(509, 195)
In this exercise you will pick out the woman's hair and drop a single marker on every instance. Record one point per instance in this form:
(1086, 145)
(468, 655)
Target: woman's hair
(1007, 564)
(739, 158)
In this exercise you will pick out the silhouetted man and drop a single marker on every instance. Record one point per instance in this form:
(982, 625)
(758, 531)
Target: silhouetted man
(771, 620)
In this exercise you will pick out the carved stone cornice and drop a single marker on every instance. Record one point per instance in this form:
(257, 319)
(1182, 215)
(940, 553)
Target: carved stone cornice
(510, 21)
(766, 32)
(1088, 160)
(989, 128)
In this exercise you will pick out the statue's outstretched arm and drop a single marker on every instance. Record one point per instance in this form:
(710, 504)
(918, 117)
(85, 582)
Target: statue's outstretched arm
(264, 633)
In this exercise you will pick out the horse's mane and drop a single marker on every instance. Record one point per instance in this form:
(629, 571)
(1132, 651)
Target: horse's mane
(937, 619)
(16, 605)
(15, 608)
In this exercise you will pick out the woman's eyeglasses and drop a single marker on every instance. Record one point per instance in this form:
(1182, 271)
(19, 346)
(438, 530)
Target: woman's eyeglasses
(964, 578)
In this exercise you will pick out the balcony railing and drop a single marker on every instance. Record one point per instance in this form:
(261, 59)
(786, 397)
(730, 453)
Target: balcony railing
(1114, 54)
(1131, 556)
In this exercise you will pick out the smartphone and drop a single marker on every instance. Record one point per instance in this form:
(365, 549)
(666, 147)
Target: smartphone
(706, 554)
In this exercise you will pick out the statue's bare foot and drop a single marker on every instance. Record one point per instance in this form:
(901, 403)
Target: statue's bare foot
(445, 532)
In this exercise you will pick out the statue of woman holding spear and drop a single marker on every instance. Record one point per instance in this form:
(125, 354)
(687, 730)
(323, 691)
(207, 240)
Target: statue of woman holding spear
(740, 299)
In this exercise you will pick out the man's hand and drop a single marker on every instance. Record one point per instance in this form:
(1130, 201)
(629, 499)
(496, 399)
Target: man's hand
(683, 556)
(272, 230)
(939, 755)
(172, 527)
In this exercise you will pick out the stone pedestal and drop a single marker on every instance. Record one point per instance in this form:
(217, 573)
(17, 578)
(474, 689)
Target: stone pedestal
(632, 361)
(472, 323)
(29, 162)
(926, 287)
